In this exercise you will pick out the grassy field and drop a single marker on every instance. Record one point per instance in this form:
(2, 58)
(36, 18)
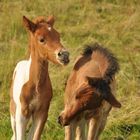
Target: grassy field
(113, 23)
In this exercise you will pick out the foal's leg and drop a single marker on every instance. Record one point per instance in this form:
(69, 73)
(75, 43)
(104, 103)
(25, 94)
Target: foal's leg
(75, 131)
(97, 123)
(21, 122)
(80, 130)
(38, 125)
(70, 131)
(13, 125)
(12, 117)
(105, 112)
(94, 124)
(32, 130)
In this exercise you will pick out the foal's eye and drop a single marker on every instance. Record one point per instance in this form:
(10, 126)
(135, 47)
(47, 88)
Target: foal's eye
(76, 97)
(42, 40)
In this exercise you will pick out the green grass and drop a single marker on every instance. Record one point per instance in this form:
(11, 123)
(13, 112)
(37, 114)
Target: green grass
(113, 23)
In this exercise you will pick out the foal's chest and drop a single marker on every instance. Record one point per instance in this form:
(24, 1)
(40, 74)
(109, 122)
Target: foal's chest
(35, 103)
(38, 101)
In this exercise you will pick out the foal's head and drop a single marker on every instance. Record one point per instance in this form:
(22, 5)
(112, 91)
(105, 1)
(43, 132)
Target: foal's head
(88, 96)
(94, 75)
(45, 40)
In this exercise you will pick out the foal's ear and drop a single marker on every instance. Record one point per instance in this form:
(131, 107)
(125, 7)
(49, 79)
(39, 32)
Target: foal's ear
(51, 20)
(29, 24)
(112, 100)
(105, 90)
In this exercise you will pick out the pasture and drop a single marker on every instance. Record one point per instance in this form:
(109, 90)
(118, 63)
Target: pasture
(112, 23)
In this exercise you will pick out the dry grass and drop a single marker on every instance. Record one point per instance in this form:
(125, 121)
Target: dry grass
(113, 23)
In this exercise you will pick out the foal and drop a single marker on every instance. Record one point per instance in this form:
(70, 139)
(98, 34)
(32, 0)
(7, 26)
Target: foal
(31, 89)
(89, 94)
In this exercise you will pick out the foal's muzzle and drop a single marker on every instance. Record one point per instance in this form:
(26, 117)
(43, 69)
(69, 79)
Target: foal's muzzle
(63, 57)
(62, 121)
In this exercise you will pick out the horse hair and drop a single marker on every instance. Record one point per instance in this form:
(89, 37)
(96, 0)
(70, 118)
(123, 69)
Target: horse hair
(113, 67)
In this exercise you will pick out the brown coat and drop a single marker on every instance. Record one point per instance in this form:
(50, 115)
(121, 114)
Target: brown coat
(89, 92)
(31, 89)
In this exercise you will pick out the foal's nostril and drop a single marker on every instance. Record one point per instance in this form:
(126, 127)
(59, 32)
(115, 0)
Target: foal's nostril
(60, 120)
(63, 54)
(59, 54)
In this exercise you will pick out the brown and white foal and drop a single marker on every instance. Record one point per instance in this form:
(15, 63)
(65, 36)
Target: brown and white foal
(89, 94)
(31, 89)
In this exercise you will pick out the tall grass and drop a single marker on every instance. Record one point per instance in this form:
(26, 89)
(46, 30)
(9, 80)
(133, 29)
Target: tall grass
(113, 23)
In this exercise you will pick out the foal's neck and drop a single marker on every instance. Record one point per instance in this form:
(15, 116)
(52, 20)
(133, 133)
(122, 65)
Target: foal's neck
(38, 69)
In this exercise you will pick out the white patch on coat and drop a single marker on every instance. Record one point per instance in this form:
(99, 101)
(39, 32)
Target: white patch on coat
(21, 76)
(13, 124)
(21, 123)
(49, 28)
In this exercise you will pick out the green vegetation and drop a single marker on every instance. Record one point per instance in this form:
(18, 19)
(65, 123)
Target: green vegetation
(113, 23)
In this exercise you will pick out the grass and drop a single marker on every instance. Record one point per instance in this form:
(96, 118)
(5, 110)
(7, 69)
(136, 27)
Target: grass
(113, 23)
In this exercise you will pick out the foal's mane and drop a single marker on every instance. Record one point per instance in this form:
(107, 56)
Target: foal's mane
(101, 52)
(40, 19)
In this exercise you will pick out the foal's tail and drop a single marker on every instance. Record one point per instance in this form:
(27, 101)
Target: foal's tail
(108, 63)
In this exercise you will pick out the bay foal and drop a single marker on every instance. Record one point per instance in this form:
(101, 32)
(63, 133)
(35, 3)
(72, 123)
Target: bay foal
(89, 94)
(31, 89)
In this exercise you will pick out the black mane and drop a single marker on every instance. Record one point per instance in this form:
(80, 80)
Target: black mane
(113, 62)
